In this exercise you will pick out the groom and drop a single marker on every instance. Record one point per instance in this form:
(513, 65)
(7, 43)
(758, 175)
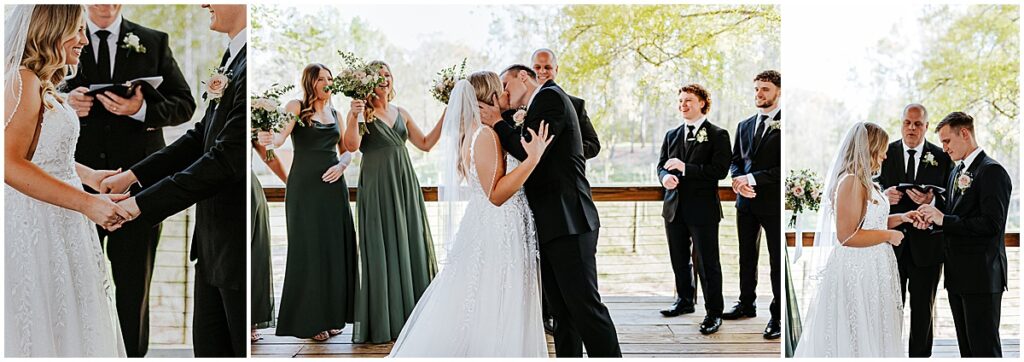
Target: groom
(207, 167)
(566, 217)
(973, 224)
(756, 175)
(118, 132)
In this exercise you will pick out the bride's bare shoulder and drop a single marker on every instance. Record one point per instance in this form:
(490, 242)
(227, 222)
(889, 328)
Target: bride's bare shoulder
(30, 82)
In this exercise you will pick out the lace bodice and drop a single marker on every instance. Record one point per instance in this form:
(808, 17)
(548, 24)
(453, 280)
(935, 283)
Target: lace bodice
(55, 152)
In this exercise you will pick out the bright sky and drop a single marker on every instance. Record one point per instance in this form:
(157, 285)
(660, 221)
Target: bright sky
(823, 41)
(408, 25)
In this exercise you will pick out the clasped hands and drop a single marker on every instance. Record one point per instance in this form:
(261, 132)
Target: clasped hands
(114, 205)
(924, 217)
(671, 181)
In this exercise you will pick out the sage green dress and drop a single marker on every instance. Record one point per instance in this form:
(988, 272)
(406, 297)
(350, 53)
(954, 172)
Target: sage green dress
(262, 296)
(320, 274)
(396, 256)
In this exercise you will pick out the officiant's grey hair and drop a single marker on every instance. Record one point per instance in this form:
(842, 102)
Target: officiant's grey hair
(917, 106)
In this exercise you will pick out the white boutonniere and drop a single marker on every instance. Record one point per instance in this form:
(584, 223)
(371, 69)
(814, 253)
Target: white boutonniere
(702, 135)
(776, 125)
(132, 42)
(216, 84)
(520, 116)
(929, 159)
(964, 180)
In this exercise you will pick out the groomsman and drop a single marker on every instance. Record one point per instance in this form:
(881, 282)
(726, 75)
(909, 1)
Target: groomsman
(207, 167)
(973, 224)
(914, 160)
(546, 65)
(694, 157)
(756, 173)
(117, 132)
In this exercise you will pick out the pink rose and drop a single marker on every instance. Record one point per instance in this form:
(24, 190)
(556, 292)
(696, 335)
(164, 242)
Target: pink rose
(519, 117)
(798, 191)
(215, 86)
(963, 181)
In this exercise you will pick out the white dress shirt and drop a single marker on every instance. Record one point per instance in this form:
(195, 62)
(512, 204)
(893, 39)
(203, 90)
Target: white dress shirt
(236, 44)
(115, 34)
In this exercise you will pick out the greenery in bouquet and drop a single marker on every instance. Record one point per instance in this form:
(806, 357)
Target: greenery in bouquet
(267, 114)
(445, 81)
(357, 80)
(803, 192)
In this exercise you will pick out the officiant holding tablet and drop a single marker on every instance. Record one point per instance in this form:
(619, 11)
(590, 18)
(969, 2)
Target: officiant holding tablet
(913, 160)
(118, 130)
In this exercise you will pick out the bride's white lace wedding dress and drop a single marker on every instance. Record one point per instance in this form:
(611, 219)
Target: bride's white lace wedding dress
(858, 311)
(58, 299)
(485, 302)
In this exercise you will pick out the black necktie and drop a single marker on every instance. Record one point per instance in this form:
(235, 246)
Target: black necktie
(103, 57)
(911, 169)
(953, 190)
(224, 59)
(759, 131)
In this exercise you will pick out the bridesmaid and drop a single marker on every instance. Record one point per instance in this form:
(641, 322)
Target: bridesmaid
(396, 255)
(320, 274)
(262, 296)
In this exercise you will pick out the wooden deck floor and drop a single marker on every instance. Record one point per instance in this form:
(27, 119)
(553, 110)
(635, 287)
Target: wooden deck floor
(643, 332)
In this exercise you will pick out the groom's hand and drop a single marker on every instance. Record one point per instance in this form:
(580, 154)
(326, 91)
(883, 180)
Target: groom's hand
(131, 207)
(931, 214)
(121, 106)
(670, 182)
(80, 102)
(490, 114)
(674, 164)
(119, 183)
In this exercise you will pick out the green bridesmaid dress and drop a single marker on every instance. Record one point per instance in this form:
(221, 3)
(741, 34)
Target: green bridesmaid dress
(320, 274)
(396, 255)
(262, 271)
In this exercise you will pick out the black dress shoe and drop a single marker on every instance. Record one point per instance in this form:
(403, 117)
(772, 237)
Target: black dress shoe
(773, 330)
(549, 326)
(740, 310)
(710, 325)
(678, 308)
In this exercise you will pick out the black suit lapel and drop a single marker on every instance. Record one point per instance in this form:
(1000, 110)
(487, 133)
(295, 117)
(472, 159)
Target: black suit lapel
(121, 65)
(87, 62)
(971, 171)
(901, 164)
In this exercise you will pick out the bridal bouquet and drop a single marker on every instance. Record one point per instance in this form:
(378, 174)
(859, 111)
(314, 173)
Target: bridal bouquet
(445, 81)
(356, 80)
(267, 114)
(803, 192)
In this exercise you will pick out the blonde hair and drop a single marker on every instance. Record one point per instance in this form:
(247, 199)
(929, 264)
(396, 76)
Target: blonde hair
(51, 26)
(486, 85)
(869, 141)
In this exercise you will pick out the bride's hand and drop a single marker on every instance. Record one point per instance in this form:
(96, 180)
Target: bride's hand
(356, 107)
(104, 211)
(538, 142)
(895, 237)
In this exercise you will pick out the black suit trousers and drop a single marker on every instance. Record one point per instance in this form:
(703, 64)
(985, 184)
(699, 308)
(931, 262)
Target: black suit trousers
(976, 317)
(922, 282)
(569, 278)
(748, 228)
(218, 326)
(132, 253)
(704, 241)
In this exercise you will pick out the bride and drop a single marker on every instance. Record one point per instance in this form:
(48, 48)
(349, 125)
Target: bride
(58, 300)
(857, 311)
(486, 300)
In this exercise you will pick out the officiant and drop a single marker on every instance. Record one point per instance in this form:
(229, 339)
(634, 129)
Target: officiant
(914, 160)
(119, 130)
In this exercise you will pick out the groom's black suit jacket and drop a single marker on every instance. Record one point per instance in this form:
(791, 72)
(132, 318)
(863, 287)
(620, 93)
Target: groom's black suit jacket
(695, 199)
(108, 141)
(206, 167)
(764, 162)
(927, 248)
(974, 228)
(558, 190)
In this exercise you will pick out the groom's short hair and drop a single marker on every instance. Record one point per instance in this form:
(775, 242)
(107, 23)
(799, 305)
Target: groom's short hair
(517, 67)
(957, 121)
(770, 76)
(700, 92)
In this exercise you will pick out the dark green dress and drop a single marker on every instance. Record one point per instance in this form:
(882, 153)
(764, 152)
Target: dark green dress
(396, 252)
(262, 270)
(320, 274)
